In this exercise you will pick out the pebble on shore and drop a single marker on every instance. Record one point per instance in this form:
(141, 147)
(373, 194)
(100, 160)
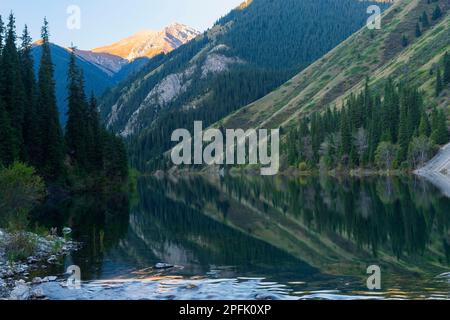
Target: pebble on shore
(14, 276)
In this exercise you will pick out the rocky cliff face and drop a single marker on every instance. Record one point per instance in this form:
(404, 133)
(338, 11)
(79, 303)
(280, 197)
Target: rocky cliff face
(169, 89)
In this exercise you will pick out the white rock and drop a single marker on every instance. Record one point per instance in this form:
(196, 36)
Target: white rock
(163, 266)
(38, 293)
(37, 280)
(20, 292)
(49, 279)
(52, 259)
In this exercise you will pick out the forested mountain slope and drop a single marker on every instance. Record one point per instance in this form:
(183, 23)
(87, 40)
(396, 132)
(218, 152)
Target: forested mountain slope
(406, 49)
(97, 79)
(248, 53)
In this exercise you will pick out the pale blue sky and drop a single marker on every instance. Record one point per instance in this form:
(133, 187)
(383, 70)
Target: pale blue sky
(106, 21)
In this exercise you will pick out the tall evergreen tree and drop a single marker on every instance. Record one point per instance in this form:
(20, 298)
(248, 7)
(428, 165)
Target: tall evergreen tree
(7, 148)
(94, 136)
(12, 88)
(446, 68)
(424, 127)
(346, 134)
(437, 13)
(439, 84)
(440, 133)
(403, 134)
(52, 146)
(76, 127)
(375, 128)
(31, 120)
(418, 31)
(405, 41)
(425, 21)
(2, 26)
(115, 157)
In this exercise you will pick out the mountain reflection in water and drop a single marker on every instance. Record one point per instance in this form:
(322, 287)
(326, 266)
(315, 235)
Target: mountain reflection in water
(242, 237)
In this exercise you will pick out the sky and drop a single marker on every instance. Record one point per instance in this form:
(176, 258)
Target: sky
(103, 22)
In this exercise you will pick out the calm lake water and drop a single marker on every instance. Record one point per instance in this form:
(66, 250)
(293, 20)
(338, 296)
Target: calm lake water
(258, 238)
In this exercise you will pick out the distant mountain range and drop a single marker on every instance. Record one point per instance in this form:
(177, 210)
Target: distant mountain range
(105, 67)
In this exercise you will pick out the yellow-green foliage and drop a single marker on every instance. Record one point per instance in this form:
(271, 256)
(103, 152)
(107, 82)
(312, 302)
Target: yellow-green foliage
(303, 166)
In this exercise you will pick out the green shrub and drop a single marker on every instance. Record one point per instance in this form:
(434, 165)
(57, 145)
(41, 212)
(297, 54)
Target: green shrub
(21, 189)
(303, 166)
(57, 246)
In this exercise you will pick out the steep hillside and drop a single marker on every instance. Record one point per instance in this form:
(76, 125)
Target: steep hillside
(244, 56)
(377, 54)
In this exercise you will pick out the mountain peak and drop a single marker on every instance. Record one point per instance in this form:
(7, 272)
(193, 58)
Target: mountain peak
(38, 42)
(148, 43)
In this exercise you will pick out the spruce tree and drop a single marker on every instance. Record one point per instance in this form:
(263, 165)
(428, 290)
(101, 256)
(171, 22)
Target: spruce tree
(424, 127)
(346, 134)
(52, 146)
(76, 127)
(12, 87)
(440, 133)
(115, 157)
(446, 68)
(437, 13)
(94, 136)
(2, 29)
(31, 120)
(405, 41)
(367, 109)
(390, 113)
(8, 151)
(439, 84)
(413, 100)
(403, 134)
(418, 31)
(425, 21)
(375, 128)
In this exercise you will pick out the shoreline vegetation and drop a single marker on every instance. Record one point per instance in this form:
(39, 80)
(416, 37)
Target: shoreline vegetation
(398, 131)
(290, 172)
(41, 160)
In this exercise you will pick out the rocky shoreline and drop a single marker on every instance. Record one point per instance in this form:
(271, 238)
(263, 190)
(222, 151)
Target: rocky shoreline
(437, 170)
(15, 276)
